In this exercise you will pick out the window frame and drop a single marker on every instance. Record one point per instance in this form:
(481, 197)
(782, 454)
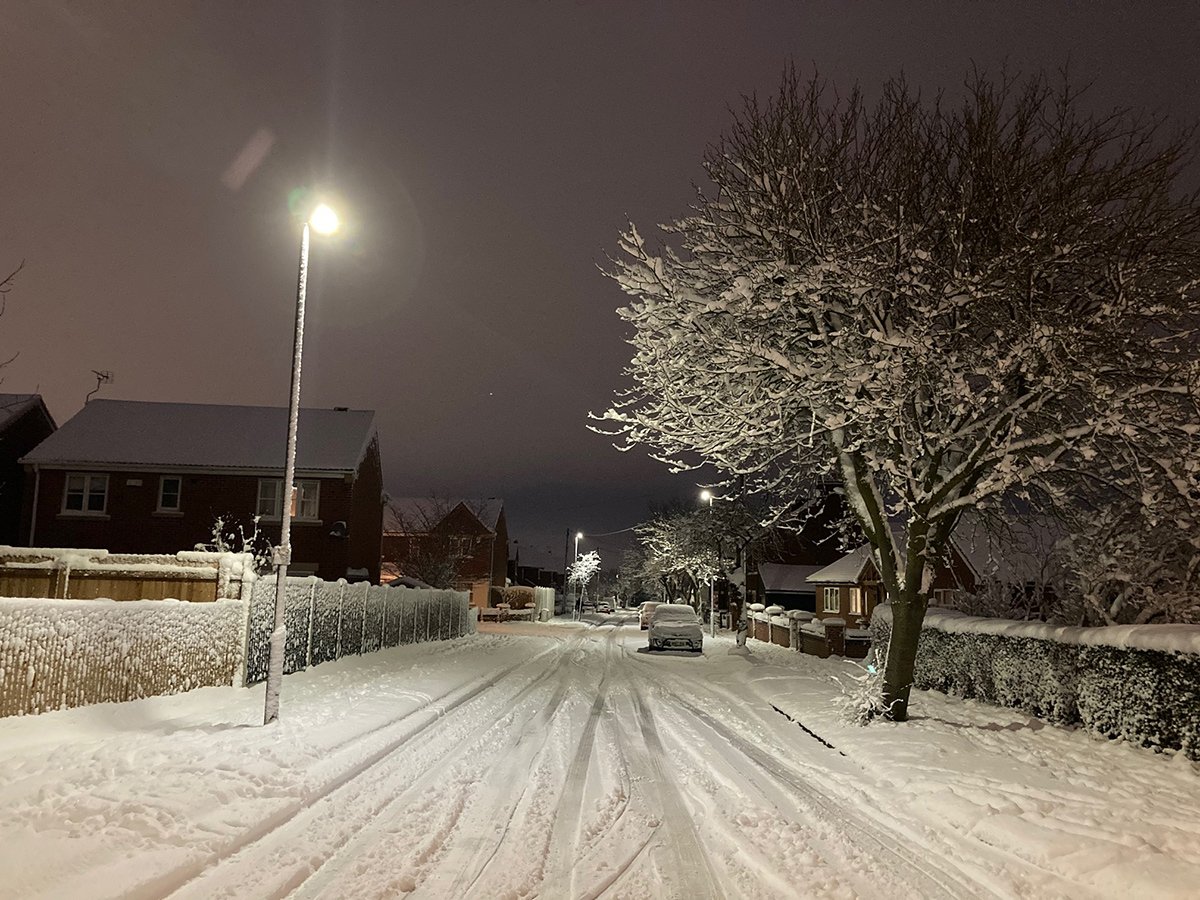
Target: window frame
(276, 511)
(857, 602)
(162, 481)
(836, 594)
(942, 597)
(89, 478)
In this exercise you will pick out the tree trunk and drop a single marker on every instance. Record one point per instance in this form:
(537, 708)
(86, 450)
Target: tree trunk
(907, 615)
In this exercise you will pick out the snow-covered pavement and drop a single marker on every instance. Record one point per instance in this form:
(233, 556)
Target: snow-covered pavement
(562, 760)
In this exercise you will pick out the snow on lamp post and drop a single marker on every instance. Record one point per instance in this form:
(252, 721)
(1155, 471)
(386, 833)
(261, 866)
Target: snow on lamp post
(322, 220)
(576, 599)
(712, 579)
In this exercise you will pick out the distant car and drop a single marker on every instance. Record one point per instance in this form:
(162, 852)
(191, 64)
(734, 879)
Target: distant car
(604, 608)
(675, 626)
(647, 611)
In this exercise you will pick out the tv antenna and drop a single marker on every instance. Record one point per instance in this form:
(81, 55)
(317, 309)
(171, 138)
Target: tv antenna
(103, 377)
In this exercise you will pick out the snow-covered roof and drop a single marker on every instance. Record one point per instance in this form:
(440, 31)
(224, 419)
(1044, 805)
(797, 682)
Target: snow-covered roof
(846, 570)
(206, 436)
(12, 406)
(779, 577)
(405, 515)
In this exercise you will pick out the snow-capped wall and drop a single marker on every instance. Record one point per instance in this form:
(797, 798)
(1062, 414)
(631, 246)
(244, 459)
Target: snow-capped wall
(328, 620)
(1140, 683)
(56, 654)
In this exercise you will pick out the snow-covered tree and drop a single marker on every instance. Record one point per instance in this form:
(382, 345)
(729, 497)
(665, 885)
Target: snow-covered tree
(679, 550)
(941, 304)
(583, 570)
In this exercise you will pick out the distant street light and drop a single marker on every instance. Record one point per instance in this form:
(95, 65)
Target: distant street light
(322, 220)
(712, 579)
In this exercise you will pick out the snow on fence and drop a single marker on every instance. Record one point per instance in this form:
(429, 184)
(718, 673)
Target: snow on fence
(1136, 682)
(327, 620)
(57, 654)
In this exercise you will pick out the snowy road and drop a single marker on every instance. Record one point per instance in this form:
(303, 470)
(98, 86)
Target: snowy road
(552, 761)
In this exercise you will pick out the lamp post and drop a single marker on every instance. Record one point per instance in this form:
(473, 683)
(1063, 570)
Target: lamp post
(712, 579)
(323, 220)
(576, 598)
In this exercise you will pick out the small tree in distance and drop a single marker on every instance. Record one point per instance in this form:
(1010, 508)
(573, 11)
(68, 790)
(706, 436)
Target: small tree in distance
(583, 570)
(943, 306)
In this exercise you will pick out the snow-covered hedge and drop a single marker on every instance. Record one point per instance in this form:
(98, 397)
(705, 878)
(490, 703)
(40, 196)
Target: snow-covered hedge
(328, 620)
(56, 654)
(1137, 682)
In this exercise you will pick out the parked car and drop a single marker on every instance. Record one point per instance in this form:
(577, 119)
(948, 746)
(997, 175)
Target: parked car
(604, 608)
(645, 613)
(675, 626)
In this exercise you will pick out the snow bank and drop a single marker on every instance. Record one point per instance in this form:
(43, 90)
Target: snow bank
(1140, 683)
(57, 654)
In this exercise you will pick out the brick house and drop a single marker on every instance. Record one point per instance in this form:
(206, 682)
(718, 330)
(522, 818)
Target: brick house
(24, 423)
(468, 537)
(850, 588)
(135, 477)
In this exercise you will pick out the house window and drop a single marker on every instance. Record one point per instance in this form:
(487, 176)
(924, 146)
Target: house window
(833, 600)
(856, 601)
(461, 545)
(169, 487)
(942, 597)
(86, 494)
(305, 500)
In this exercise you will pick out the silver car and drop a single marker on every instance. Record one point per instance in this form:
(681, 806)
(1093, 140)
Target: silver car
(675, 626)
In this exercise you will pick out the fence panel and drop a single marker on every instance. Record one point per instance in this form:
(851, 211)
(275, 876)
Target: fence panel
(373, 623)
(354, 603)
(327, 621)
(391, 616)
(58, 654)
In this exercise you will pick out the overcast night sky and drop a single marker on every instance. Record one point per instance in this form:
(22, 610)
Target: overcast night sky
(486, 154)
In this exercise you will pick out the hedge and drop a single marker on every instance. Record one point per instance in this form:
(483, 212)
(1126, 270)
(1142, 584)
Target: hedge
(1140, 684)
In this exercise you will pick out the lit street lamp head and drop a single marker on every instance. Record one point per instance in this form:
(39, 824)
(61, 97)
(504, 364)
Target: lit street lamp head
(323, 220)
(706, 496)
(579, 536)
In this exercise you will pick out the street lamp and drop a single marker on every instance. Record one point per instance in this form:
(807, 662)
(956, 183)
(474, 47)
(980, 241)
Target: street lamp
(575, 597)
(712, 579)
(322, 220)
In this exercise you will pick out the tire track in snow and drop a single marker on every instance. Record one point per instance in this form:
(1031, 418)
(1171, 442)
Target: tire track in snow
(470, 857)
(928, 879)
(693, 876)
(187, 880)
(564, 834)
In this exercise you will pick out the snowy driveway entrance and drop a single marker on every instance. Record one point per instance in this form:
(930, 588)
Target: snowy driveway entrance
(556, 761)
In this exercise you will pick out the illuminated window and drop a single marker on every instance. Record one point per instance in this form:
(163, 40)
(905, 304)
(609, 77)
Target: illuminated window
(833, 600)
(86, 494)
(305, 500)
(856, 601)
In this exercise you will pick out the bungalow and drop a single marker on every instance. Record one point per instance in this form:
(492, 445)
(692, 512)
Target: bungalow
(136, 477)
(850, 588)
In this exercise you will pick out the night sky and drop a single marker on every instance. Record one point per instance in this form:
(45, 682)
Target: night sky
(486, 155)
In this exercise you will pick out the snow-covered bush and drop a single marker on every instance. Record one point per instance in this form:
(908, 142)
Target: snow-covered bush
(1139, 683)
(861, 700)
